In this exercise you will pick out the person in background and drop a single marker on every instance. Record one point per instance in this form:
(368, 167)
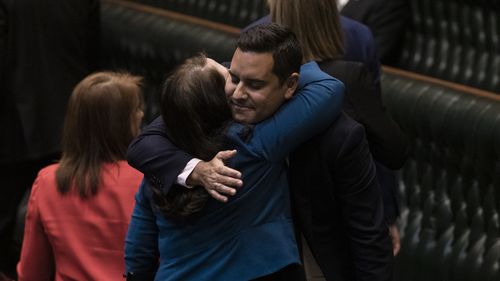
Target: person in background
(46, 48)
(387, 19)
(79, 209)
(321, 38)
(373, 30)
(358, 44)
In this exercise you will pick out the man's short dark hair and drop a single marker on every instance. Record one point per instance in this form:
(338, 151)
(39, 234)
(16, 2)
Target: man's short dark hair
(275, 39)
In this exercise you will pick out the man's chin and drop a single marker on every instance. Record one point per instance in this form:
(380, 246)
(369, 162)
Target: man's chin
(241, 118)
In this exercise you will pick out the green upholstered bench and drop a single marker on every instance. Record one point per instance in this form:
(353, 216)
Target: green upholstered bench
(455, 40)
(238, 13)
(151, 42)
(450, 186)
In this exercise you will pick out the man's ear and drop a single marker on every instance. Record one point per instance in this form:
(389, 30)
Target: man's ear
(291, 83)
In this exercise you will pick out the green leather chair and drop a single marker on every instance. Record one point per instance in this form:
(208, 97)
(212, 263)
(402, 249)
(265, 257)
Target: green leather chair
(450, 186)
(151, 45)
(455, 40)
(237, 13)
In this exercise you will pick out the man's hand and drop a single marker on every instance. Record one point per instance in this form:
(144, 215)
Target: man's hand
(396, 239)
(215, 177)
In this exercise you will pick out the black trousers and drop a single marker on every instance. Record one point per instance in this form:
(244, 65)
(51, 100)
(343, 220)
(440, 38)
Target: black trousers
(292, 272)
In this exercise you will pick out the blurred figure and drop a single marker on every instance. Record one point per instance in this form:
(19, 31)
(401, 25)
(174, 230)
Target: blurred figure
(79, 209)
(387, 19)
(46, 48)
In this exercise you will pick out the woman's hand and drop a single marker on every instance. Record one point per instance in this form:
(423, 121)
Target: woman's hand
(219, 180)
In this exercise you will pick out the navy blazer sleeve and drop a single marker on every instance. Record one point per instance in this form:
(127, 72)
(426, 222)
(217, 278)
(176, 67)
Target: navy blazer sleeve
(156, 156)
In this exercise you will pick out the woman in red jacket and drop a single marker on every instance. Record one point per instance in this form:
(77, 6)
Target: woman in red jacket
(79, 209)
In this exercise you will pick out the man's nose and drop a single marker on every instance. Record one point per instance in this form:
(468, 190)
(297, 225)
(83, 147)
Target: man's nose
(239, 92)
(230, 88)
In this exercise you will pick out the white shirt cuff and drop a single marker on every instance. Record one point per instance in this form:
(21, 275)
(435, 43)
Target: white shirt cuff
(182, 177)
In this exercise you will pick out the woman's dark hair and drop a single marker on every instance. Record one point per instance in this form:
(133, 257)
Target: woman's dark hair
(194, 107)
(102, 118)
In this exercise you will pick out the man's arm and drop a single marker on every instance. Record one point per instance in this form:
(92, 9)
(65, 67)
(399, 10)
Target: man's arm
(153, 154)
(217, 179)
(354, 181)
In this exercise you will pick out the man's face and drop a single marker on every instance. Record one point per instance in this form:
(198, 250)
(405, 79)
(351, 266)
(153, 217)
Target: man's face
(254, 91)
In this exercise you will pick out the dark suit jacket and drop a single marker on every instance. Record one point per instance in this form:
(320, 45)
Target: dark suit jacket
(387, 19)
(387, 142)
(338, 205)
(156, 156)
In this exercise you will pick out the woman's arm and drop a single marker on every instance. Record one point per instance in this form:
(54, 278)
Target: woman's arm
(37, 260)
(316, 104)
(141, 243)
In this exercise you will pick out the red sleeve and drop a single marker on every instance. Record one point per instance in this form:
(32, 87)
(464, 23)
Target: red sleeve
(37, 261)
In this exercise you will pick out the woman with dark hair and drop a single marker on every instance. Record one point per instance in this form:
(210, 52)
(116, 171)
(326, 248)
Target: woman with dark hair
(197, 114)
(178, 233)
(79, 209)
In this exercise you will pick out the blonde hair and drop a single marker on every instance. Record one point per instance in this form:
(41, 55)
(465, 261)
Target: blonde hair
(316, 23)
